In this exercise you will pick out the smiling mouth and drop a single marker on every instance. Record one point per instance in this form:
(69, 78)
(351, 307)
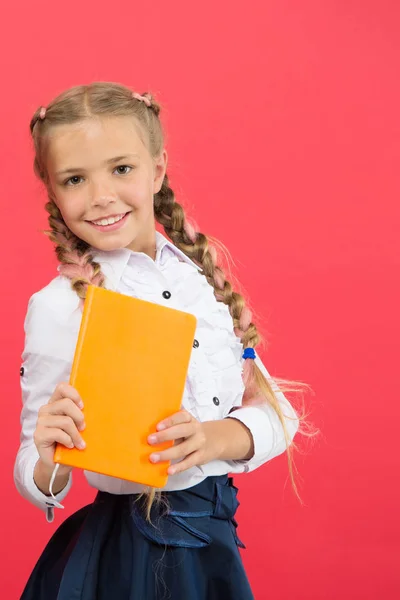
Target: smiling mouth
(110, 220)
(111, 223)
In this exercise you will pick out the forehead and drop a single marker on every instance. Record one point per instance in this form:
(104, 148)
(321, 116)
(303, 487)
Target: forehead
(98, 138)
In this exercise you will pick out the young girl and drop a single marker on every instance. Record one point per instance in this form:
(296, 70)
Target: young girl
(100, 153)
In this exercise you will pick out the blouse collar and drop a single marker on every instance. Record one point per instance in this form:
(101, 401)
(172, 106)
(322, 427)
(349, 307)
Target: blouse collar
(114, 262)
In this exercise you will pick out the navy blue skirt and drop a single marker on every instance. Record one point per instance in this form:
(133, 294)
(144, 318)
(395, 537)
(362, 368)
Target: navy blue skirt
(108, 551)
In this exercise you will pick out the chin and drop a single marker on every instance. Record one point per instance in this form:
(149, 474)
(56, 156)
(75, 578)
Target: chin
(108, 245)
(105, 242)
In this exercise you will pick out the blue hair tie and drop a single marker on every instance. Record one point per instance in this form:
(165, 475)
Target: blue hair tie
(249, 353)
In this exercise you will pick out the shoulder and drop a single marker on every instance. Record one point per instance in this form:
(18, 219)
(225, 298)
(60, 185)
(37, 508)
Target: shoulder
(57, 300)
(52, 320)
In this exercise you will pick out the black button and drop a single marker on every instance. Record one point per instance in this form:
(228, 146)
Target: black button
(196, 344)
(167, 295)
(216, 401)
(21, 371)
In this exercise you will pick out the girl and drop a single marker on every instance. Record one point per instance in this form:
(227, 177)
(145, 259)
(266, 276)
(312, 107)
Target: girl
(100, 153)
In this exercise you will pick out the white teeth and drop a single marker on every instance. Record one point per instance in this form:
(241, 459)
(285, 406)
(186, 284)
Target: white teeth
(109, 221)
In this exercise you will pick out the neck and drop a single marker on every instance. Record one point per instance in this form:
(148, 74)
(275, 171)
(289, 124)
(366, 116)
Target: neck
(147, 246)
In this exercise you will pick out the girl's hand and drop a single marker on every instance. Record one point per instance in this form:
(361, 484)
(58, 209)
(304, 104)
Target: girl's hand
(60, 420)
(191, 442)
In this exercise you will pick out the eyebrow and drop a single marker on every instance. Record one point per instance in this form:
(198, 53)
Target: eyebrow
(107, 162)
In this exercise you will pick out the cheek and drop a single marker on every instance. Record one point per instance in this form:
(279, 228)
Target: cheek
(69, 218)
(139, 199)
(71, 208)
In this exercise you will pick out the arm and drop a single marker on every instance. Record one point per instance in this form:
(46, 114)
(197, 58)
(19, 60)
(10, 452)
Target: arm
(231, 438)
(41, 375)
(49, 344)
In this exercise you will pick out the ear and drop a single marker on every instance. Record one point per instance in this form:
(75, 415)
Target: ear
(160, 168)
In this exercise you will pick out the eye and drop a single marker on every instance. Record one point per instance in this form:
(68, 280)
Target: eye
(123, 167)
(71, 179)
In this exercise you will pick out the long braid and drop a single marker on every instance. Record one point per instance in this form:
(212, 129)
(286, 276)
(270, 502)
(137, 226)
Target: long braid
(196, 246)
(76, 261)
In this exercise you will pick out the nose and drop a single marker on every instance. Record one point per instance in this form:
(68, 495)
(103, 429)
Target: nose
(102, 197)
(103, 201)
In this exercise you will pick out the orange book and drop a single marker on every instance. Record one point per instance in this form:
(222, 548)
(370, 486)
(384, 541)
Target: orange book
(130, 367)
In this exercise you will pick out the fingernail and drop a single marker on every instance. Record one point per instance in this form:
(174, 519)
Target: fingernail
(152, 439)
(81, 445)
(161, 426)
(171, 470)
(80, 404)
(154, 457)
(82, 426)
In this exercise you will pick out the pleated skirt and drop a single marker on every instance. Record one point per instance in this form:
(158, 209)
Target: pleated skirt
(109, 551)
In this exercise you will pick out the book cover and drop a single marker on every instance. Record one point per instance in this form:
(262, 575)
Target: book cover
(130, 367)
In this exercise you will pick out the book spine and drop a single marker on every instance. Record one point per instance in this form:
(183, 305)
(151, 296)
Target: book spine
(59, 450)
(81, 336)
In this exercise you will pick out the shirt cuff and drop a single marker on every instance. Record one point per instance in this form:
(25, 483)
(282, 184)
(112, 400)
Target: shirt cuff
(29, 489)
(268, 436)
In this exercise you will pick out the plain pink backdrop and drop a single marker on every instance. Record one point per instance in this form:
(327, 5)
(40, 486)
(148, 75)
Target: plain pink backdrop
(283, 133)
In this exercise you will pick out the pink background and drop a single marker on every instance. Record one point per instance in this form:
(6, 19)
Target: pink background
(283, 132)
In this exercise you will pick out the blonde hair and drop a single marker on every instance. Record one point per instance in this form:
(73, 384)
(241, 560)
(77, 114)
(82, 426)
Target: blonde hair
(102, 99)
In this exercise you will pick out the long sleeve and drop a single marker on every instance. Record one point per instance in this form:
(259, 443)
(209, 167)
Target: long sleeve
(41, 371)
(266, 429)
(41, 375)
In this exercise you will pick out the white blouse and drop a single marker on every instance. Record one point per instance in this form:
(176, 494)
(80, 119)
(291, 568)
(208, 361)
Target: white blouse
(213, 386)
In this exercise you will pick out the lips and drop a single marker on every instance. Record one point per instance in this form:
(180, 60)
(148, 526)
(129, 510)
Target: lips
(105, 218)
(120, 221)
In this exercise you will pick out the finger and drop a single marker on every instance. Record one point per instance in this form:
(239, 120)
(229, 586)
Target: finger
(65, 390)
(183, 430)
(175, 452)
(64, 423)
(183, 416)
(187, 463)
(179, 441)
(65, 406)
(51, 436)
